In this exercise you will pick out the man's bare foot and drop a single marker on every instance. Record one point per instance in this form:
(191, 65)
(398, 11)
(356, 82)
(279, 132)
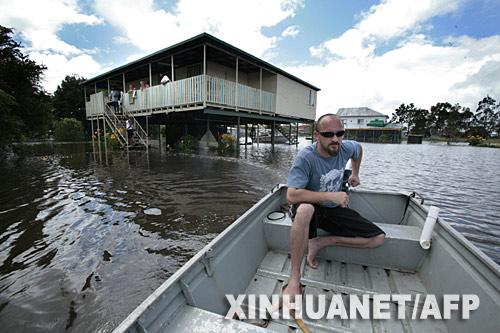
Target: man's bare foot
(290, 291)
(313, 249)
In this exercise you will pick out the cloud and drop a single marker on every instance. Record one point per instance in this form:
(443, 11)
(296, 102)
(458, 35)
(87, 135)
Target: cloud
(391, 19)
(38, 23)
(290, 31)
(417, 70)
(60, 66)
(142, 25)
(236, 22)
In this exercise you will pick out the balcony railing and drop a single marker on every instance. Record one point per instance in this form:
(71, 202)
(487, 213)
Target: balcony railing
(189, 93)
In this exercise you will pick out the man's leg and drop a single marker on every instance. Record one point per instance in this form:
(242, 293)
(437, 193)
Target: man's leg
(316, 244)
(347, 228)
(299, 236)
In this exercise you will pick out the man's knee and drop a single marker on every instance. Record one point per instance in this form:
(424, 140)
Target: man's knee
(304, 213)
(376, 241)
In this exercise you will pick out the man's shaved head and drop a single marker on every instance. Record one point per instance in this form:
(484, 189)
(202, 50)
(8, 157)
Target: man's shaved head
(330, 116)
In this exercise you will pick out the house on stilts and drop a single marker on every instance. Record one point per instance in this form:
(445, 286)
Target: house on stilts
(213, 86)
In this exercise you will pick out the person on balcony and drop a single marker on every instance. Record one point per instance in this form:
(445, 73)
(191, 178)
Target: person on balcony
(114, 98)
(164, 79)
(132, 93)
(144, 85)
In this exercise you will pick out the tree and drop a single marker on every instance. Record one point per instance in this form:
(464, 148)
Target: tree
(24, 102)
(439, 115)
(68, 129)
(457, 122)
(450, 120)
(415, 119)
(69, 101)
(487, 117)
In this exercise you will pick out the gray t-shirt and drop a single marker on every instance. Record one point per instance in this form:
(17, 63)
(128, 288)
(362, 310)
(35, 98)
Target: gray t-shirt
(115, 95)
(314, 172)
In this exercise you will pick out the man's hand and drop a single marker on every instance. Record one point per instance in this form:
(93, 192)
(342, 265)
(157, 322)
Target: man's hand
(340, 198)
(353, 181)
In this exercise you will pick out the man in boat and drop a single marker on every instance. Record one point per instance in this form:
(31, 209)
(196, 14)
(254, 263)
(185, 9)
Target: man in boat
(314, 190)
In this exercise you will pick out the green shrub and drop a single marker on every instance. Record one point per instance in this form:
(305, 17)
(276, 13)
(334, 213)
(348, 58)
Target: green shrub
(187, 143)
(68, 129)
(476, 140)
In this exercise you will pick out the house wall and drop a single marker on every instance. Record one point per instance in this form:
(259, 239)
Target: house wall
(292, 99)
(227, 73)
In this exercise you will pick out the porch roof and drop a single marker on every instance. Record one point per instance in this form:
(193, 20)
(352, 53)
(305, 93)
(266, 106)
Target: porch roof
(191, 50)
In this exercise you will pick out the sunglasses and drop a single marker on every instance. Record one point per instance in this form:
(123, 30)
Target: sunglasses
(331, 134)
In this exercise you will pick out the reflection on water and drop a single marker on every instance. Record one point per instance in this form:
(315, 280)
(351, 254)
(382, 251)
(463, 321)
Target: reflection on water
(86, 237)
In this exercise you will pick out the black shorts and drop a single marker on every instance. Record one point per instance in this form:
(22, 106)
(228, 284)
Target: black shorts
(340, 222)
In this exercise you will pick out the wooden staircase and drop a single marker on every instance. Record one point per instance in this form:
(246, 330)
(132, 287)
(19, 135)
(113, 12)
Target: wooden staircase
(118, 126)
(289, 135)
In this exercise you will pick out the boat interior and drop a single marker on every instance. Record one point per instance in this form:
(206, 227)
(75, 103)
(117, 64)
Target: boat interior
(252, 257)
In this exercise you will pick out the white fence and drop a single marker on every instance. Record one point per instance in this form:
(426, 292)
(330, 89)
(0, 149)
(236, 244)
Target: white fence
(190, 92)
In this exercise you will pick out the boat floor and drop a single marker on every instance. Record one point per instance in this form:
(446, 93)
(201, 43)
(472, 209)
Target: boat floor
(330, 278)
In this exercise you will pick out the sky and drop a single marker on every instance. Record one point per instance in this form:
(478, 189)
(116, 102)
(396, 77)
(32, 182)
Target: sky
(360, 53)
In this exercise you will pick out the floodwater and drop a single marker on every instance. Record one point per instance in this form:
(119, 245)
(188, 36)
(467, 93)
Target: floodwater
(85, 236)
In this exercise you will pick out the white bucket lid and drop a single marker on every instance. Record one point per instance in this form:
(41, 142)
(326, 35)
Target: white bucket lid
(275, 216)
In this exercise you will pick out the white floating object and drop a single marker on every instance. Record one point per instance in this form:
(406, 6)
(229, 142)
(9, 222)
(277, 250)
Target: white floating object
(152, 211)
(425, 237)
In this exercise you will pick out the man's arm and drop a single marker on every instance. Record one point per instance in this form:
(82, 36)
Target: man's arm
(354, 179)
(296, 195)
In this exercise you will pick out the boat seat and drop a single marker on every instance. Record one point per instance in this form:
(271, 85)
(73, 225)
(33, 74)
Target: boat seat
(401, 249)
(190, 317)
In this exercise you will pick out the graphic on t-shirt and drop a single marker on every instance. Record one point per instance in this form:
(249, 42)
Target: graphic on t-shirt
(332, 181)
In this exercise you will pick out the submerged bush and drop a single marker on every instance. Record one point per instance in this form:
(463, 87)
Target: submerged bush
(68, 129)
(476, 140)
(227, 144)
(187, 143)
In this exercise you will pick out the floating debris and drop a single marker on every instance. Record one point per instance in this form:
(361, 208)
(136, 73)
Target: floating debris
(152, 211)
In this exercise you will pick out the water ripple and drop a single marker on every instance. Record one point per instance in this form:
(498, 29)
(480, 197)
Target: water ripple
(74, 224)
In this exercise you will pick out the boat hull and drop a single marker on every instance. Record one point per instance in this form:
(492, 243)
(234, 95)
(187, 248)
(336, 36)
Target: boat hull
(252, 257)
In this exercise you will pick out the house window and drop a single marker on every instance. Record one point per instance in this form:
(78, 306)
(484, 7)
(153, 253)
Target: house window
(360, 121)
(311, 96)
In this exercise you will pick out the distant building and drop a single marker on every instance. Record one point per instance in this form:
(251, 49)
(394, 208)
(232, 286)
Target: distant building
(360, 117)
(367, 125)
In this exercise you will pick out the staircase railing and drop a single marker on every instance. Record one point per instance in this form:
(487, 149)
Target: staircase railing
(117, 125)
(142, 136)
(292, 139)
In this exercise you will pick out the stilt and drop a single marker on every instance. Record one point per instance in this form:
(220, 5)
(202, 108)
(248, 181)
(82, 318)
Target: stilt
(297, 135)
(273, 133)
(238, 136)
(208, 132)
(246, 135)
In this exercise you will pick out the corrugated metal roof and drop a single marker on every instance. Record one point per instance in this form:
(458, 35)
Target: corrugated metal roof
(359, 112)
